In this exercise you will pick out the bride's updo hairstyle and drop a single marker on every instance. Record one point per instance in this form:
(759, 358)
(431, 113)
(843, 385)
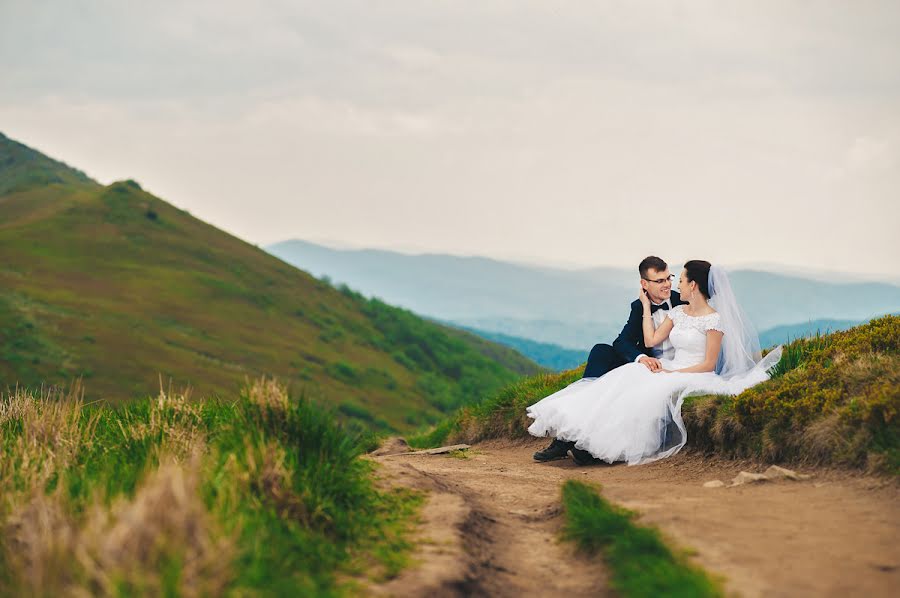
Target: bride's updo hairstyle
(698, 271)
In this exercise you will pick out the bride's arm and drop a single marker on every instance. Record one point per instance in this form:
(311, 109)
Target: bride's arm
(653, 337)
(713, 344)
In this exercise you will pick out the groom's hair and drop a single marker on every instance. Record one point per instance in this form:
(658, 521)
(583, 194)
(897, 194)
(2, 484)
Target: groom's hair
(651, 261)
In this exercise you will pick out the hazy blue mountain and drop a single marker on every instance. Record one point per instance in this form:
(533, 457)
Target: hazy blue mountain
(454, 287)
(789, 332)
(772, 299)
(570, 308)
(580, 336)
(548, 355)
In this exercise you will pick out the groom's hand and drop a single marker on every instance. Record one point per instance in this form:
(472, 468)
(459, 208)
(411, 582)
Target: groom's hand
(651, 363)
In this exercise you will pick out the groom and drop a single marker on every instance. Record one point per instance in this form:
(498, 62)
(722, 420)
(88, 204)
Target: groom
(656, 281)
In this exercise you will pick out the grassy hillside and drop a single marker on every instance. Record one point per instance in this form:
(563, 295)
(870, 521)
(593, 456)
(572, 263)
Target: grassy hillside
(113, 284)
(260, 494)
(832, 399)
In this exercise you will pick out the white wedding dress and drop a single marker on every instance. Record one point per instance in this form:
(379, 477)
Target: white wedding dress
(623, 415)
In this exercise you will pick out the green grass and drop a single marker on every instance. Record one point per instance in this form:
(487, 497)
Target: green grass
(261, 494)
(833, 399)
(114, 285)
(639, 561)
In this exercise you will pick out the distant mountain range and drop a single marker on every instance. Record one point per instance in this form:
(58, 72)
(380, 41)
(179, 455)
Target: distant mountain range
(114, 285)
(789, 332)
(548, 355)
(573, 309)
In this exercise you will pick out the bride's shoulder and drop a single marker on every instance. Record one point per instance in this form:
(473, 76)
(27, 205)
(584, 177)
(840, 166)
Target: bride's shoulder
(676, 312)
(712, 321)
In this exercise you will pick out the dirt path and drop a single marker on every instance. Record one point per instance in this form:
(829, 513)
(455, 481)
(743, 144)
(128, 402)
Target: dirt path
(492, 524)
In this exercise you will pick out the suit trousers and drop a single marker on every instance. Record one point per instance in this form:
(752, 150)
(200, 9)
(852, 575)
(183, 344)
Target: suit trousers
(601, 360)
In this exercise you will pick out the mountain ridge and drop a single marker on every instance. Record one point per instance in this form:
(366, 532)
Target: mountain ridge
(573, 309)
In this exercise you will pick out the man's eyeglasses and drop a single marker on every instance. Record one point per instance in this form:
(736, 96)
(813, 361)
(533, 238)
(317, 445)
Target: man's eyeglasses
(661, 280)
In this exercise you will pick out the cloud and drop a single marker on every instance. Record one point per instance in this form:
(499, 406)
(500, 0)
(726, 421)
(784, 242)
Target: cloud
(870, 153)
(573, 130)
(341, 117)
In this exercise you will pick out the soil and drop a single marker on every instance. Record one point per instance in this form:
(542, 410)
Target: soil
(490, 526)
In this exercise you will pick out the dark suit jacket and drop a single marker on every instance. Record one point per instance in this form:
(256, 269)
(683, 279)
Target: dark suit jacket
(630, 342)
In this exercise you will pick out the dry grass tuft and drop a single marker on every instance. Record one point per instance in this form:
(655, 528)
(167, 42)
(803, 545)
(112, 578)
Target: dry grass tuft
(39, 540)
(825, 437)
(268, 477)
(166, 521)
(175, 422)
(267, 393)
(52, 429)
(160, 540)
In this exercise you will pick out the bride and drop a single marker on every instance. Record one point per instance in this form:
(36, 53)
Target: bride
(632, 414)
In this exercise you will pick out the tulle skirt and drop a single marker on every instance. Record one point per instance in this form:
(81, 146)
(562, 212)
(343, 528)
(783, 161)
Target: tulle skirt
(632, 414)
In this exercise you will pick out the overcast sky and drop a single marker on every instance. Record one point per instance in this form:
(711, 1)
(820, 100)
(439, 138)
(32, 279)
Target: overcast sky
(581, 133)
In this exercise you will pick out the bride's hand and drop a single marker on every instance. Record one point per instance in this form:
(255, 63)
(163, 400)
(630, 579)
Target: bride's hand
(662, 370)
(644, 298)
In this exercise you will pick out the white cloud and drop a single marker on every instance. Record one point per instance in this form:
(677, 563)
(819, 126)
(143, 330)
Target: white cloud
(870, 153)
(582, 132)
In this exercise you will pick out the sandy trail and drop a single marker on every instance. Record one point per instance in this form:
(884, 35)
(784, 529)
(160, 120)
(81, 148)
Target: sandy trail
(493, 518)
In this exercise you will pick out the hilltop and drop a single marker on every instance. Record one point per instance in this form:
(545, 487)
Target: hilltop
(22, 168)
(115, 285)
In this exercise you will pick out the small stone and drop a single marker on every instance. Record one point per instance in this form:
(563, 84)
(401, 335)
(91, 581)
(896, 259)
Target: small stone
(774, 472)
(745, 477)
(714, 484)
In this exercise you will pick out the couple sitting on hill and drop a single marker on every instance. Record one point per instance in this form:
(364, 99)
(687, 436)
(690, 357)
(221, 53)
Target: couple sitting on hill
(627, 405)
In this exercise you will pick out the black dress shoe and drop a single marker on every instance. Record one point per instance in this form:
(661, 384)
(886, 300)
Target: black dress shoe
(582, 457)
(558, 449)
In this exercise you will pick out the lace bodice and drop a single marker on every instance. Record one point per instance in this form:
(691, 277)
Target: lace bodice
(688, 335)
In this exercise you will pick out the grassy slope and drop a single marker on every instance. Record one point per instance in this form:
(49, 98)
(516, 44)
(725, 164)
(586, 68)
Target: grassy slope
(259, 495)
(833, 399)
(116, 285)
